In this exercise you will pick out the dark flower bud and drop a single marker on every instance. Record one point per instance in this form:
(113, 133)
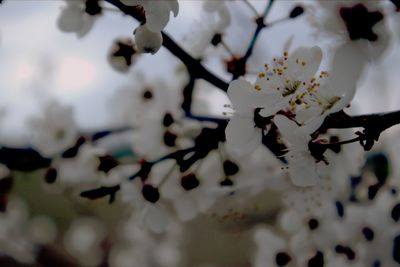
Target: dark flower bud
(396, 212)
(150, 193)
(50, 176)
(107, 163)
(347, 251)
(93, 7)
(282, 259)
(296, 11)
(396, 249)
(317, 260)
(217, 38)
(147, 94)
(230, 168)
(368, 233)
(313, 224)
(168, 120)
(317, 150)
(226, 182)
(189, 181)
(236, 66)
(169, 139)
(6, 184)
(339, 209)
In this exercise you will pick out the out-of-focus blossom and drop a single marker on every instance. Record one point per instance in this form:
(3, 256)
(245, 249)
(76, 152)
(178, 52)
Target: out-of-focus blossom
(20, 235)
(83, 240)
(55, 130)
(122, 54)
(358, 21)
(78, 16)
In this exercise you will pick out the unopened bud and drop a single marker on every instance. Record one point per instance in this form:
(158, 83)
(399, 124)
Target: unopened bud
(297, 11)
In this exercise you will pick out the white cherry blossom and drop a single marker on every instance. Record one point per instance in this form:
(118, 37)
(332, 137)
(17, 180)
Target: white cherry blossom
(276, 89)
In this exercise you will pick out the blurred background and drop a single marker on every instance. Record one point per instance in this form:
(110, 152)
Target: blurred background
(38, 62)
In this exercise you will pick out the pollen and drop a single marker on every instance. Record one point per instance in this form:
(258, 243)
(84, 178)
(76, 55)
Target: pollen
(261, 75)
(257, 87)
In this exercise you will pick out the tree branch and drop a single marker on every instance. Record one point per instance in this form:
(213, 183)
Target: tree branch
(195, 68)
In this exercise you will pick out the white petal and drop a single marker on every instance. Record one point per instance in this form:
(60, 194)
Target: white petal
(244, 96)
(156, 219)
(157, 14)
(313, 125)
(241, 135)
(185, 208)
(312, 58)
(345, 73)
(70, 19)
(291, 132)
(302, 169)
(174, 6)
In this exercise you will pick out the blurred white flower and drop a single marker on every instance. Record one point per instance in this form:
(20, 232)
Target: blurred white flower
(21, 236)
(75, 18)
(122, 54)
(55, 130)
(82, 169)
(82, 240)
(362, 22)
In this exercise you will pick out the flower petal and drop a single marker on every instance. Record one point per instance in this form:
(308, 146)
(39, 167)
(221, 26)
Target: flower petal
(302, 169)
(241, 136)
(304, 63)
(244, 97)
